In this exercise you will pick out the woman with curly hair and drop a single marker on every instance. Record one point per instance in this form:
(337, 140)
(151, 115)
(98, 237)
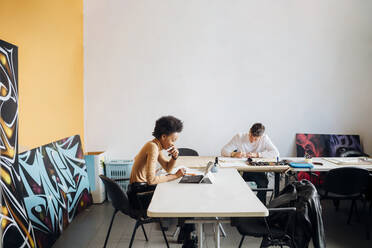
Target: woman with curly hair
(143, 176)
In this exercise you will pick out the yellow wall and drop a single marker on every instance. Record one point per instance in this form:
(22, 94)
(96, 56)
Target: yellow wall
(49, 36)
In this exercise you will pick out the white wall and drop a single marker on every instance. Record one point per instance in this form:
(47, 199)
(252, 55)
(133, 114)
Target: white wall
(296, 66)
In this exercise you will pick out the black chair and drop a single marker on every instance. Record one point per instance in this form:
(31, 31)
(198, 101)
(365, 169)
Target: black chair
(260, 227)
(369, 193)
(347, 183)
(318, 177)
(187, 152)
(120, 202)
(272, 235)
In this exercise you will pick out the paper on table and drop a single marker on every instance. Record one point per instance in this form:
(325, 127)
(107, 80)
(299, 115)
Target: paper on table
(230, 159)
(349, 161)
(264, 159)
(188, 170)
(232, 165)
(236, 160)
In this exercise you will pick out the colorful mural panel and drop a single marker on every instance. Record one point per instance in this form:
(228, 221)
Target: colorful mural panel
(43, 189)
(55, 187)
(328, 145)
(16, 228)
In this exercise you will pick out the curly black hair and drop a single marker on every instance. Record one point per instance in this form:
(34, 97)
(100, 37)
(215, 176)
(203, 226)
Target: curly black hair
(257, 130)
(167, 125)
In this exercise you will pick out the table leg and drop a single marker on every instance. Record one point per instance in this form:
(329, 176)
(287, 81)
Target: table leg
(217, 234)
(286, 180)
(276, 183)
(222, 231)
(200, 234)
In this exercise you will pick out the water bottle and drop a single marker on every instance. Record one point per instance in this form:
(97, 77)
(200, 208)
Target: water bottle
(214, 168)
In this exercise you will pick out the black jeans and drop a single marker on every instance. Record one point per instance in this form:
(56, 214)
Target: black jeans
(186, 230)
(260, 178)
(143, 202)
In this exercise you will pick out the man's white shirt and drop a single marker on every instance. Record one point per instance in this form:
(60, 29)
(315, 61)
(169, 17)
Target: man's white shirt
(240, 142)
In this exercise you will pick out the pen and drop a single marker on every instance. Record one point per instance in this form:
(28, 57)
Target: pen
(190, 174)
(170, 149)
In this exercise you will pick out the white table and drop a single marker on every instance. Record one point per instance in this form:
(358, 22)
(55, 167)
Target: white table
(228, 196)
(327, 165)
(241, 165)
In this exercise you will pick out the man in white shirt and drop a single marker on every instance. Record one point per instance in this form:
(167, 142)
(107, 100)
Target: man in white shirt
(254, 144)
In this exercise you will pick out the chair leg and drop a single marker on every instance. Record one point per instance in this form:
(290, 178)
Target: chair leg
(292, 244)
(144, 232)
(368, 227)
(176, 232)
(162, 230)
(351, 211)
(336, 203)
(241, 241)
(134, 233)
(263, 243)
(109, 230)
(356, 211)
(365, 212)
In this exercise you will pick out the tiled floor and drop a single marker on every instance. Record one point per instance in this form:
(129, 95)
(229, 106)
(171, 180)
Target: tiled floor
(90, 227)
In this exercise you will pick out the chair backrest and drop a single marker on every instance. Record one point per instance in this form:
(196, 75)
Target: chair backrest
(187, 152)
(354, 153)
(119, 198)
(346, 181)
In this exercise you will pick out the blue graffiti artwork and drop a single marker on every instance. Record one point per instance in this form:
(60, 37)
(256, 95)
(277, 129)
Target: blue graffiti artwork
(55, 186)
(43, 189)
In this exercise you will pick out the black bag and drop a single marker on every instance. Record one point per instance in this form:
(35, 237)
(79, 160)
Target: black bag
(308, 222)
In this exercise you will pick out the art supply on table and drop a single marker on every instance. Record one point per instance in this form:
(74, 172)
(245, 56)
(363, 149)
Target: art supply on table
(264, 162)
(301, 165)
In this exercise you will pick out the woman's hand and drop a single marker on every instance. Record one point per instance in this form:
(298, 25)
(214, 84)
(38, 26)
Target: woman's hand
(181, 172)
(173, 152)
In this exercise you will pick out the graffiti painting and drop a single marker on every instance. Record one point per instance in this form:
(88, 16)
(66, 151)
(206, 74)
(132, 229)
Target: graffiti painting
(55, 187)
(328, 145)
(16, 228)
(43, 189)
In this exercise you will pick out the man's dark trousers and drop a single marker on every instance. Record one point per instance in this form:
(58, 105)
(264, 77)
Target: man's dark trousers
(260, 178)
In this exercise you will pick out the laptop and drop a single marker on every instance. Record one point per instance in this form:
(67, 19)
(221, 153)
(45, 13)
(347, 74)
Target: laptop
(198, 178)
